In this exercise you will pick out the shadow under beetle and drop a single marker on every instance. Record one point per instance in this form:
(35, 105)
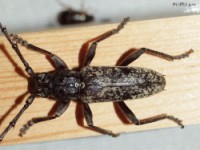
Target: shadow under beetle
(92, 84)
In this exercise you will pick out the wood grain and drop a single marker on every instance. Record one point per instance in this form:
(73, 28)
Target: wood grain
(181, 97)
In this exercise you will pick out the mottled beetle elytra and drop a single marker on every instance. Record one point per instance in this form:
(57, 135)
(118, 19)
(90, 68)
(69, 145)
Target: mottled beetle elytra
(91, 84)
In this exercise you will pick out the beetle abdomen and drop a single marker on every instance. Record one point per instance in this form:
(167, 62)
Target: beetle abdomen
(119, 83)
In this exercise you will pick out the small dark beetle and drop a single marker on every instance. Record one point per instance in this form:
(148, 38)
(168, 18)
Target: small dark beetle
(92, 84)
(71, 16)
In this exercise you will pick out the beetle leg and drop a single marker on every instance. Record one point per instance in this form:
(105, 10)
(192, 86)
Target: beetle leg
(127, 112)
(160, 117)
(16, 49)
(59, 111)
(131, 116)
(58, 62)
(135, 54)
(15, 119)
(91, 51)
(88, 117)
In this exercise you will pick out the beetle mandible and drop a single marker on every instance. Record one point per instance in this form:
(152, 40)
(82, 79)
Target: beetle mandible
(92, 84)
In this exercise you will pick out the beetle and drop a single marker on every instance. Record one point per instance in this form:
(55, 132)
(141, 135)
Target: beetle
(71, 16)
(91, 84)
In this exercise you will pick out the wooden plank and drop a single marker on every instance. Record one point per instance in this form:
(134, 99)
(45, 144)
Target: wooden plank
(181, 97)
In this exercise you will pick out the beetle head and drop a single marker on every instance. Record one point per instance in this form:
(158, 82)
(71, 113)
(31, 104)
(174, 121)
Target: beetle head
(40, 84)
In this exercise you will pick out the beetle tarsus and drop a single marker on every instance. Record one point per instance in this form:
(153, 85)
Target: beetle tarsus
(25, 128)
(161, 117)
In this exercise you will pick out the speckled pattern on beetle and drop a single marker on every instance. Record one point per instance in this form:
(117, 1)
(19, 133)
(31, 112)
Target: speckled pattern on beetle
(92, 84)
(119, 83)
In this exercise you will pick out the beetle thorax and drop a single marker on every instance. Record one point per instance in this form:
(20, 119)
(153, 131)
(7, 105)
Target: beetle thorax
(65, 85)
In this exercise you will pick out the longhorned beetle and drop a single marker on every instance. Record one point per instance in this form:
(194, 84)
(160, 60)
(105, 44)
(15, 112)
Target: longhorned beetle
(92, 84)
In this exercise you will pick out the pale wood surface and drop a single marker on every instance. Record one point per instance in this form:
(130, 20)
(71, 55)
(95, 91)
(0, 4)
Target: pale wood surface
(181, 97)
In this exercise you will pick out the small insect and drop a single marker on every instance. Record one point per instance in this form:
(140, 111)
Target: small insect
(92, 84)
(71, 16)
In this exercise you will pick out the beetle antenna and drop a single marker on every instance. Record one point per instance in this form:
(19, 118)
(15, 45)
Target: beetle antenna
(14, 45)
